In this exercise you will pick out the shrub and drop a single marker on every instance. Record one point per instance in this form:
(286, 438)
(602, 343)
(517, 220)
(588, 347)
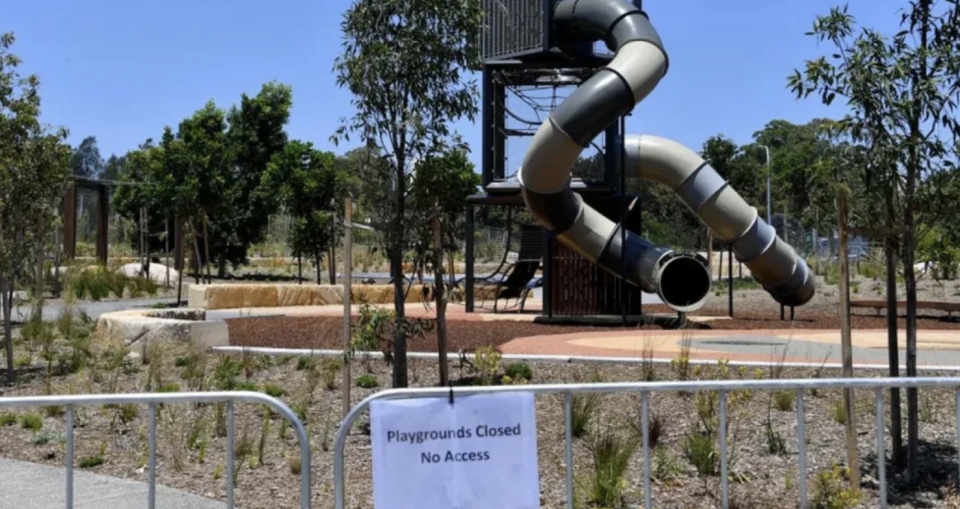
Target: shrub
(855, 286)
(304, 362)
(655, 428)
(181, 362)
(32, 422)
(839, 412)
(583, 406)
(54, 410)
(486, 361)
(783, 400)
(776, 444)
(829, 491)
(927, 414)
(666, 466)
(517, 370)
(367, 381)
(169, 387)
(90, 461)
(272, 390)
(293, 464)
(247, 385)
(46, 437)
(8, 419)
(611, 457)
(329, 369)
(701, 451)
(226, 372)
(128, 413)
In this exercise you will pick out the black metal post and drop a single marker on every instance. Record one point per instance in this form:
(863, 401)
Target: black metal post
(547, 288)
(782, 313)
(486, 128)
(730, 277)
(469, 261)
(623, 222)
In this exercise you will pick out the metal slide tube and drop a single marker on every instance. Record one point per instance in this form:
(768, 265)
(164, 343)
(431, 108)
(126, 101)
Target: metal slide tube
(636, 69)
(773, 263)
(680, 278)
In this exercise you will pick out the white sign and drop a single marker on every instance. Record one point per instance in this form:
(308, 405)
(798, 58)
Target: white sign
(478, 453)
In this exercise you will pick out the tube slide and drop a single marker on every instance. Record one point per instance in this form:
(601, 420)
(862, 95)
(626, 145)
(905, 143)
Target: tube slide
(681, 279)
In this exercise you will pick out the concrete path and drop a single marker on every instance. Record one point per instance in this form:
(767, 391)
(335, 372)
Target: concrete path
(52, 309)
(935, 348)
(30, 486)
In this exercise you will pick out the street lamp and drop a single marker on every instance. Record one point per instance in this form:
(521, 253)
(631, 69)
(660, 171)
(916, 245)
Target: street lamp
(769, 209)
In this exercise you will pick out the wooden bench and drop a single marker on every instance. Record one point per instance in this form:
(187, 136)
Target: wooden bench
(948, 307)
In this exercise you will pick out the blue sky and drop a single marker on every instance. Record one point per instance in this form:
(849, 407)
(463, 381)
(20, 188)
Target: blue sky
(123, 69)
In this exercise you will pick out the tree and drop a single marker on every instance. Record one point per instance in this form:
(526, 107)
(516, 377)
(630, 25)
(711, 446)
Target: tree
(255, 134)
(404, 62)
(85, 160)
(34, 164)
(439, 191)
(114, 168)
(138, 191)
(902, 92)
(304, 182)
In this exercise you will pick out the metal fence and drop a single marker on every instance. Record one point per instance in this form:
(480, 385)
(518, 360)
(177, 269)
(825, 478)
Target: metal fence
(152, 400)
(645, 389)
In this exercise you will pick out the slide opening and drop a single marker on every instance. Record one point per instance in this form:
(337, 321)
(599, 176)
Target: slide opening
(684, 283)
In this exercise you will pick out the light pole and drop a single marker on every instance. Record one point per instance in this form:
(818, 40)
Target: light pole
(769, 209)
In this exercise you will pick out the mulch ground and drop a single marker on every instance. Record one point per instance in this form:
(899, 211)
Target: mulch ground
(327, 333)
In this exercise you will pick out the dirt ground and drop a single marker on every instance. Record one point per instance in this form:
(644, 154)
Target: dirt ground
(191, 451)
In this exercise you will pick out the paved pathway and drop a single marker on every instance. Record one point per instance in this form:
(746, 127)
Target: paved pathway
(52, 309)
(31, 486)
(935, 348)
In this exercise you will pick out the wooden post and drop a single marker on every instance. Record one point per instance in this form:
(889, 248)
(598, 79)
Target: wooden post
(103, 224)
(70, 221)
(347, 297)
(441, 297)
(166, 247)
(846, 345)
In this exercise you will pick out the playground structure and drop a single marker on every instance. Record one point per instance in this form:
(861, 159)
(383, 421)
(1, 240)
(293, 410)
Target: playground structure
(531, 43)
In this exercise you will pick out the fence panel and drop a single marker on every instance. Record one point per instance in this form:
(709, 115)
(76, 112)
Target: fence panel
(152, 400)
(645, 389)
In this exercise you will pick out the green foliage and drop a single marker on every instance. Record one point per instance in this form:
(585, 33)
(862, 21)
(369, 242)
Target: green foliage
(367, 381)
(34, 164)
(304, 362)
(611, 453)
(700, 449)
(8, 419)
(783, 400)
(32, 422)
(329, 369)
(582, 410)
(776, 443)
(838, 412)
(90, 461)
(98, 283)
(666, 466)
(376, 328)
(486, 362)
(127, 413)
(226, 373)
(273, 390)
(169, 387)
(829, 491)
(517, 370)
(247, 385)
(46, 437)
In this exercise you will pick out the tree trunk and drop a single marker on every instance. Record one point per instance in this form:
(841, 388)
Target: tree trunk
(39, 290)
(222, 265)
(57, 285)
(347, 309)
(299, 269)
(206, 248)
(846, 345)
(196, 248)
(179, 261)
(451, 269)
(709, 250)
(893, 348)
(146, 243)
(396, 268)
(912, 403)
(6, 295)
(331, 265)
(441, 301)
(166, 249)
(319, 260)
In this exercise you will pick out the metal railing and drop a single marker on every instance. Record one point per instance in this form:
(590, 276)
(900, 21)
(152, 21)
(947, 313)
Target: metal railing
(152, 400)
(645, 389)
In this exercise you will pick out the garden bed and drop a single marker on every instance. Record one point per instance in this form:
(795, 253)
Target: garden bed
(117, 436)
